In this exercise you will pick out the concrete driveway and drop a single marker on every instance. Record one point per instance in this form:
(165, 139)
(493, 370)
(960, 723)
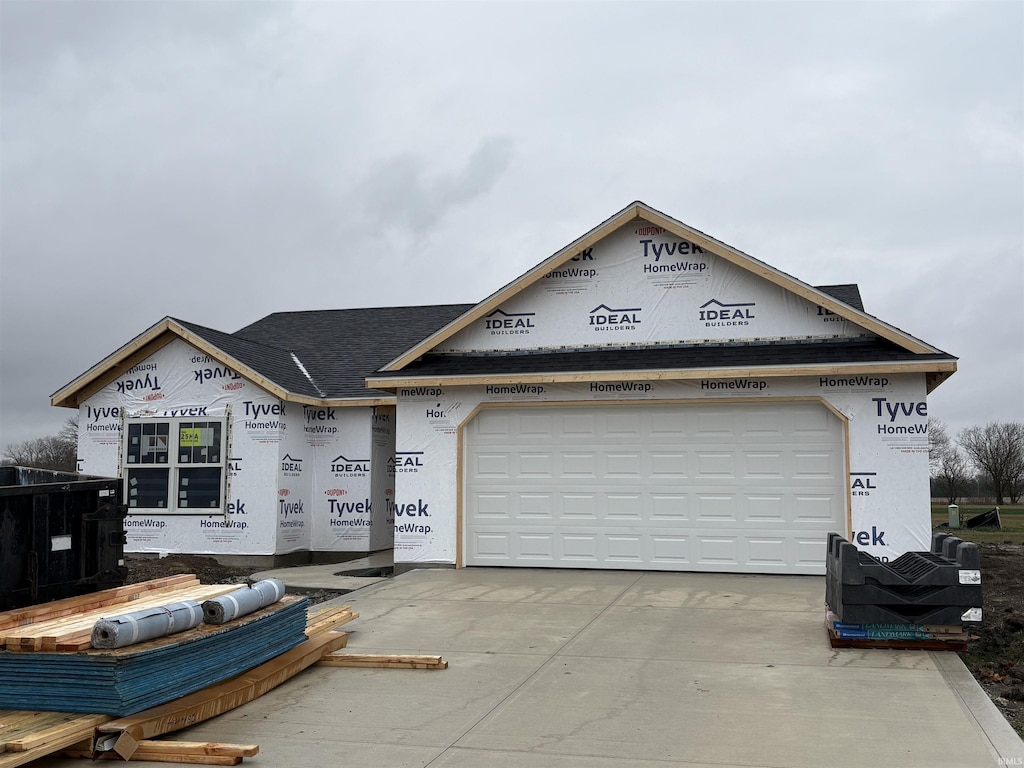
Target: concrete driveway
(612, 668)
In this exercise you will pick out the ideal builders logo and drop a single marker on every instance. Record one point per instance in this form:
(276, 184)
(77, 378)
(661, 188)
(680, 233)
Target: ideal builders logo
(605, 318)
(863, 483)
(715, 314)
(500, 323)
(291, 467)
(345, 467)
(405, 461)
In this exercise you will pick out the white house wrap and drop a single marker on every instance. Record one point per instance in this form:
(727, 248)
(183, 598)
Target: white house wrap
(241, 602)
(647, 397)
(146, 624)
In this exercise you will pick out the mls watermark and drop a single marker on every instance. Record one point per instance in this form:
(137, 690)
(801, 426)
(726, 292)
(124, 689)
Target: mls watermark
(1011, 760)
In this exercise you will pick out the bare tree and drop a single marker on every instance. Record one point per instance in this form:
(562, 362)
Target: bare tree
(954, 475)
(58, 451)
(939, 443)
(997, 449)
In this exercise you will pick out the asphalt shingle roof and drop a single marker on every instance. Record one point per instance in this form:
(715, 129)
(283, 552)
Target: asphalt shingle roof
(858, 350)
(339, 348)
(329, 353)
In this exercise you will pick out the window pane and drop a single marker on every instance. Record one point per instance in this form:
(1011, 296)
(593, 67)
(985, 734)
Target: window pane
(147, 488)
(147, 443)
(199, 442)
(199, 488)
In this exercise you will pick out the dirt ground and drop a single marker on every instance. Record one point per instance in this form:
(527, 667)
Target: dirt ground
(996, 658)
(206, 569)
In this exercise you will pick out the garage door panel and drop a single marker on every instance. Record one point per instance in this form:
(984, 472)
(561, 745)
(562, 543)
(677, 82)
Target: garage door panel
(669, 506)
(624, 506)
(668, 425)
(579, 506)
(816, 510)
(641, 485)
(762, 465)
(535, 466)
(765, 510)
(717, 465)
(664, 465)
(496, 465)
(623, 465)
(576, 465)
(814, 464)
(715, 422)
(578, 424)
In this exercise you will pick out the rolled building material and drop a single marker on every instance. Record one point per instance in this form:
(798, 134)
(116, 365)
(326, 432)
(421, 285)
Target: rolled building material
(241, 602)
(147, 624)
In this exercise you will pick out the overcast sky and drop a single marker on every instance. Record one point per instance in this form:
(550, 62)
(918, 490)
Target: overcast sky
(217, 162)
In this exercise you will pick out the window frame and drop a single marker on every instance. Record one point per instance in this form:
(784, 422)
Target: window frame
(154, 445)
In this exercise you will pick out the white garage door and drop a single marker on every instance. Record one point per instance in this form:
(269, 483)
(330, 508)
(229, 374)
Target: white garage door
(749, 487)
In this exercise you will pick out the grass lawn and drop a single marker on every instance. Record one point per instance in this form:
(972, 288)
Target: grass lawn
(1012, 518)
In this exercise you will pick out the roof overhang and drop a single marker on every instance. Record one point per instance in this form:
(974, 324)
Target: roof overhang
(936, 372)
(73, 394)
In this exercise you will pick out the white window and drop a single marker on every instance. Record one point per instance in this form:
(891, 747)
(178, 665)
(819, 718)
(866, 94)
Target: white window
(175, 465)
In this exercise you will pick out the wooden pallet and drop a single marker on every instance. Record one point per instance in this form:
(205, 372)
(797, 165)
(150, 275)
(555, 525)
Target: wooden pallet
(954, 643)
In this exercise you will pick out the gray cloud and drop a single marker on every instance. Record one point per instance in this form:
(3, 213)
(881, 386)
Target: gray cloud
(221, 161)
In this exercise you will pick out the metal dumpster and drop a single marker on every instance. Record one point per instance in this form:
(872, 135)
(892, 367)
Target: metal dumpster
(61, 535)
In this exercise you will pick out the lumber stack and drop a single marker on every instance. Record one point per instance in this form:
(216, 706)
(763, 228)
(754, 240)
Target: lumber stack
(45, 667)
(28, 735)
(919, 601)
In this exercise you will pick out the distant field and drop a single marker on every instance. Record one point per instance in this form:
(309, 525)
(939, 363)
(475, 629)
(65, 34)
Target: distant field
(1012, 518)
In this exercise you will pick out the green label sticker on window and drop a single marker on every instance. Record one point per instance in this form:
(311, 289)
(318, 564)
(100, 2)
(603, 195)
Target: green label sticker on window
(190, 437)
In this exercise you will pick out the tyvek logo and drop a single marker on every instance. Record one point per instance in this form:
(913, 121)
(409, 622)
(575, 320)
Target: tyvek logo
(716, 314)
(345, 467)
(290, 466)
(682, 248)
(863, 483)
(567, 272)
(894, 409)
(501, 323)
(437, 412)
(605, 318)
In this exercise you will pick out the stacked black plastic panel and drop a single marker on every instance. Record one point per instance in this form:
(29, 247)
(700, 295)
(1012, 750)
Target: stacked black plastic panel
(940, 587)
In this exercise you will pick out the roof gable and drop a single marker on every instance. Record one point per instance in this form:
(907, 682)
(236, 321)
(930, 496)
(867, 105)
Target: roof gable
(641, 286)
(311, 357)
(645, 222)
